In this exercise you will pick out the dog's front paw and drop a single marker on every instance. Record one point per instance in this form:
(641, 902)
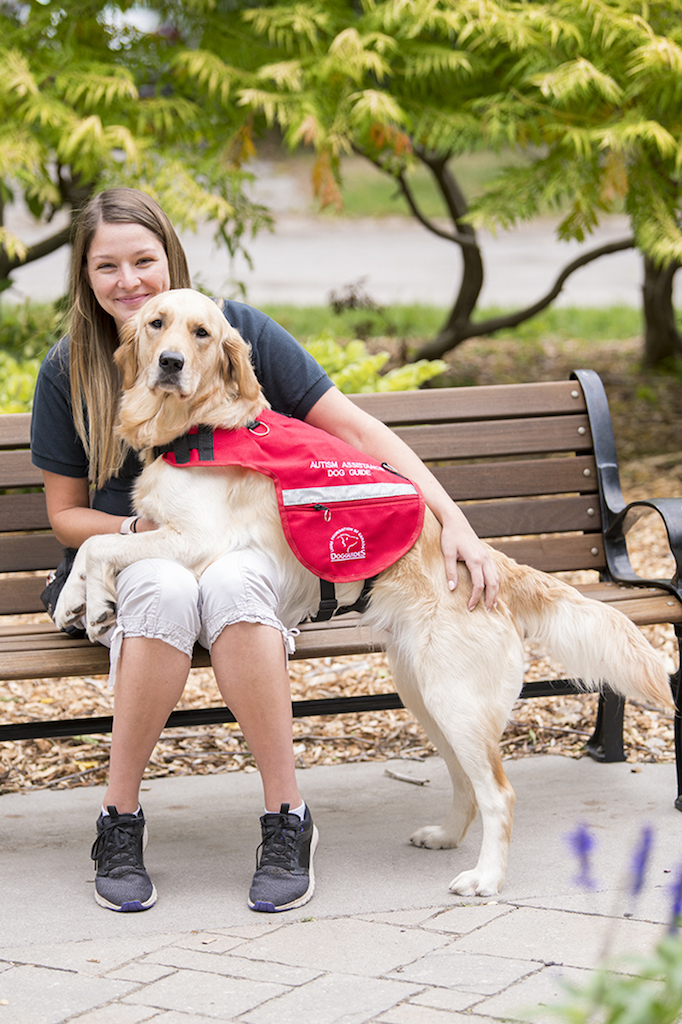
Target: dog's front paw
(71, 602)
(434, 837)
(475, 883)
(100, 616)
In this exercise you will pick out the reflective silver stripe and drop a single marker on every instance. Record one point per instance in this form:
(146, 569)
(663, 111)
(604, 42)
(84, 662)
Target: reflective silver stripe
(346, 492)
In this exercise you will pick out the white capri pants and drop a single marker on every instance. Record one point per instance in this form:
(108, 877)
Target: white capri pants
(162, 600)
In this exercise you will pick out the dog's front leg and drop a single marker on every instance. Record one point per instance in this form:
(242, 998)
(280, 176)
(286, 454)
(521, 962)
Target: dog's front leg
(90, 590)
(91, 586)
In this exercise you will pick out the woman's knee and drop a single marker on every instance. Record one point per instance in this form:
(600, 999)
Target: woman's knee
(158, 589)
(242, 586)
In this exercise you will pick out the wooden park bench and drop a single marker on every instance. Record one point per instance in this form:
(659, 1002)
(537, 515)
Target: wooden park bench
(533, 465)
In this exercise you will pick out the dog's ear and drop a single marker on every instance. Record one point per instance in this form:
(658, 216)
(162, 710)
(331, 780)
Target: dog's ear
(237, 367)
(126, 354)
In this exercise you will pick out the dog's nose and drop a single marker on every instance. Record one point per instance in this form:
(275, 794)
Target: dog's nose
(171, 362)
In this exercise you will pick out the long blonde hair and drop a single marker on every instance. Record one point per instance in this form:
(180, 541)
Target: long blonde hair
(93, 336)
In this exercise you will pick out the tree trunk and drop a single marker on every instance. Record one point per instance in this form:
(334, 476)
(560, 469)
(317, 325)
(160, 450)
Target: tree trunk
(662, 340)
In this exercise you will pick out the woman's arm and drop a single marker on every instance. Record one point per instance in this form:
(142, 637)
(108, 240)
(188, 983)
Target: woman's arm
(336, 414)
(70, 515)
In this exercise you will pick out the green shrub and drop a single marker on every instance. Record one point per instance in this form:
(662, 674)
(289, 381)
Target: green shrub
(353, 369)
(17, 382)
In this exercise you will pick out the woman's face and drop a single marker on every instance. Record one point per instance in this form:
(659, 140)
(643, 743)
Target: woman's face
(126, 265)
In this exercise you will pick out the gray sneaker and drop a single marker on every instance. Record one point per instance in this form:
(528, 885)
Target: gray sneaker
(284, 876)
(121, 882)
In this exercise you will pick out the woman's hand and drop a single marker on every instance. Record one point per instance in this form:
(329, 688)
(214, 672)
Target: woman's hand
(459, 543)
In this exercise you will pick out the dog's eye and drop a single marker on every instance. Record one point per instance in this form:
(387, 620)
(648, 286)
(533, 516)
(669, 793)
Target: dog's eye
(156, 324)
(201, 332)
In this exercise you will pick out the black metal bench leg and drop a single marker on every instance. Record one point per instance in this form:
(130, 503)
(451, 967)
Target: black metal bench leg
(677, 695)
(606, 742)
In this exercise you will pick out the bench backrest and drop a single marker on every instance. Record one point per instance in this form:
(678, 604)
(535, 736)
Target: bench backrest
(518, 458)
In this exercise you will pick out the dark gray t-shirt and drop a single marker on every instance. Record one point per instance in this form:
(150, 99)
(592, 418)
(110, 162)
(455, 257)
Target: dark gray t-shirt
(291, 379)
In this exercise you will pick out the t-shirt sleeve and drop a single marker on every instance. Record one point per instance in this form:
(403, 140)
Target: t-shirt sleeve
(291, 379)
(55, 445)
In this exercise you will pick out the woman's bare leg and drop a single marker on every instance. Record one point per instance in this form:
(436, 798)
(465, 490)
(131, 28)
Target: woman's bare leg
(150, 678)
(250, 668)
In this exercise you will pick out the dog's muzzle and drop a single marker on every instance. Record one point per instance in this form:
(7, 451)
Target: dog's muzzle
(169, 367)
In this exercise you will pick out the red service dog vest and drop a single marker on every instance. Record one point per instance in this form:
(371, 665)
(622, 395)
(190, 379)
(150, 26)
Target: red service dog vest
(346, 516)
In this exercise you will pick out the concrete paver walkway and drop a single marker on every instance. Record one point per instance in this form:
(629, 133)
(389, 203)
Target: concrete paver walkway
(383, 940)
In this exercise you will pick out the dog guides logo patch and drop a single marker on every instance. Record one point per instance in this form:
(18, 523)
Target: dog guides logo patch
(346, 545)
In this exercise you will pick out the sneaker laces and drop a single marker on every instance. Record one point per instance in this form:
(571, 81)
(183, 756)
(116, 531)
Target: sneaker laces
(117, 845)
(278, 848)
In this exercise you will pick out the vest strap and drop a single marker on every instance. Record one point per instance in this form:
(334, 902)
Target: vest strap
(182, 447)
(329, 607)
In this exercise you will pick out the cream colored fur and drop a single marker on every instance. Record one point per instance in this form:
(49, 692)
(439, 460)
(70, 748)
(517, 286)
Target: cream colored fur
(458, 671)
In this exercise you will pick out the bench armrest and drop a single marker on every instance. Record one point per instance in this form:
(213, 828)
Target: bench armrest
(617, 517)
(615, 546)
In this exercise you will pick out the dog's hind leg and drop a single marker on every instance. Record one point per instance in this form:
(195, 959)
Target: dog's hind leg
(466, 689)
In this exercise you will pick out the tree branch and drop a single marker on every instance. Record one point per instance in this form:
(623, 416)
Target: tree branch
(451, 338)
(34, 252)
(450, 236)
(400, 179)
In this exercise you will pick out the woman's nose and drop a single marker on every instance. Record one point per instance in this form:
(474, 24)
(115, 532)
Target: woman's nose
(128, 276)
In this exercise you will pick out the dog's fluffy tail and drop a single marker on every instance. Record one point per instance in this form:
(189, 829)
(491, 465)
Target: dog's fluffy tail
(594, 642)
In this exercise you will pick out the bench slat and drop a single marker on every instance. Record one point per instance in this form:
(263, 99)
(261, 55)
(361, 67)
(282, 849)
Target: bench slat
(29, 552)
(48, 654)
(15, 429)
(556, 554)
(474, 403)
(540, 515)
(17, 470)
(516, 479)
(23, 512)
(499, 437)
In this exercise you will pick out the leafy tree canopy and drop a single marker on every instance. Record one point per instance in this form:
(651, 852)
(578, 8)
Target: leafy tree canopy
(86, 100)
(588, 92)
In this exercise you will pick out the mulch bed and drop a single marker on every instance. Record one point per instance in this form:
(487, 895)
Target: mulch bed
(553, 725)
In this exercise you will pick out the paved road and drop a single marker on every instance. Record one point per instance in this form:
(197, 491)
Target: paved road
(306, 258)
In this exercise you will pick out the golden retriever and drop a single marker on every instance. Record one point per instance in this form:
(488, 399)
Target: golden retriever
(458, 671)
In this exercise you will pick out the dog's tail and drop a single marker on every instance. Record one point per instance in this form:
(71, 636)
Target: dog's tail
(595, 642)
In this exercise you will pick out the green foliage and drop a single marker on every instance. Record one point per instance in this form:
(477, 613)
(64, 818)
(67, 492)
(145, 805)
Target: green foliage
(415, 322)
(589, 94)
(87, 101)
(26, 333)
(353, 369)
(17, 382)
(29, 330)
(650, 993)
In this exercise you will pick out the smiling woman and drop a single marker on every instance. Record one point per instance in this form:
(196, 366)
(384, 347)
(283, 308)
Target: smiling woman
(126, 265)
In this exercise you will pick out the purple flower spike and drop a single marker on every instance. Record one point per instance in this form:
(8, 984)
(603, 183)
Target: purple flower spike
(640, 860)
(582, 842)
(676, 893)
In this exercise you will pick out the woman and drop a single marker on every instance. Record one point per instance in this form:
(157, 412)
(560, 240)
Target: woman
(124, 252)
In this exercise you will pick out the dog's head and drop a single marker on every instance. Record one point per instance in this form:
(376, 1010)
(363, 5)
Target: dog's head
(183, 364)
